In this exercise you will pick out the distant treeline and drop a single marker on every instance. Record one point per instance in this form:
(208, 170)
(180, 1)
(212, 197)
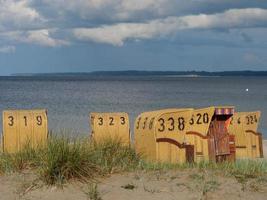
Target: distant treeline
(152, 73)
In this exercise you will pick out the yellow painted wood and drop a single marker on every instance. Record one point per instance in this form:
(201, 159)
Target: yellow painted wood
(10, 131)
(176, 125)
(243, 125)
(144, 138)
(251, 124)
(241, 141)
(40, 128)
(24, 127)
(170, 124)
(201, 119)
(199, 124)
(110, 125)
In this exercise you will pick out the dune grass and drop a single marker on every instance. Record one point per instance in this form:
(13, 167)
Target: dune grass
(63, 159)
(247, 168)
(28, 158)
(112, 156)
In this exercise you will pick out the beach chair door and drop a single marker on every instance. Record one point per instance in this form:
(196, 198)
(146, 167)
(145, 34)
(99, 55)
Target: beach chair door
(219, 140)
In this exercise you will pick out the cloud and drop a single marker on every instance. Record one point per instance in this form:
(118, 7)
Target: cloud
(112, 9)
(118, 33)
(40, 37)
(116, 21)
(107, 11)
(20, 22)
(16, 14)
(7, 49)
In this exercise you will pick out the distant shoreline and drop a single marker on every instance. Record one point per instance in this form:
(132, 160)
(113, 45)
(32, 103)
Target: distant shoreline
(147, 73)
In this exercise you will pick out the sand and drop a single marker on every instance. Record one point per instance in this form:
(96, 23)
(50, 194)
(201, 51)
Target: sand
(173, 184)
(131, 186)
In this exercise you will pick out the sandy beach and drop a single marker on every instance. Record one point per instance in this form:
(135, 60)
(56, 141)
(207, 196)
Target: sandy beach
(131, 186)
(171, 184)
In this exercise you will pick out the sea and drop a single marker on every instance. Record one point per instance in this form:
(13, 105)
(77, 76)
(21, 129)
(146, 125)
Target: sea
(70, 99)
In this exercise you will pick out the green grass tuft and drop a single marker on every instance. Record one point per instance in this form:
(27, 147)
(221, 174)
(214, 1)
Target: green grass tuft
(27, 158)
(64, 159)
(112, 156)
(92, 192)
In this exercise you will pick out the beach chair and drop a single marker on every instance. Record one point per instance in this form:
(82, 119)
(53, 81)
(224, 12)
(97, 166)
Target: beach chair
(208, 133)
(110, 126)
(23, 128)
(160, 135)
(244, 127)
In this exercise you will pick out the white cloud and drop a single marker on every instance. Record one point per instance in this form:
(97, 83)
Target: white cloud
(7, 49)
(118, 33)
(112, 9)
(40, 37)
(138, 10)
(20, 22)
(17, 14)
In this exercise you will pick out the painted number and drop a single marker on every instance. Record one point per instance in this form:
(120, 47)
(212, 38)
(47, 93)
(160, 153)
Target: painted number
(205, 118)
(100, 123)
(162, 126)
(111, 122)
(255, 119)
(191, 122)
(171, 120)
(232, 121)
(181, 124)
(39, 120)
(25, 120)
(151, 123)
(144, 125)
(138, 123)
(122, 120)
(251, 119)
(11, 120)
(201, 119)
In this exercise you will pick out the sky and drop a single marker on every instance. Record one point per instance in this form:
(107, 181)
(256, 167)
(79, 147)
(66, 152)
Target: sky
(43, 36)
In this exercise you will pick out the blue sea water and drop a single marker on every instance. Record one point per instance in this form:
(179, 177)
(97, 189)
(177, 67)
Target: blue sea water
(69, 100)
